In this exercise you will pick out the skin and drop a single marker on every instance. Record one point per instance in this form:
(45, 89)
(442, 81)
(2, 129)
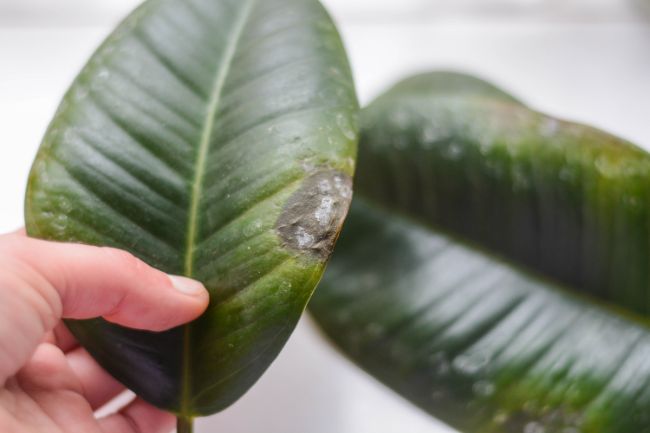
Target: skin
(48, 384)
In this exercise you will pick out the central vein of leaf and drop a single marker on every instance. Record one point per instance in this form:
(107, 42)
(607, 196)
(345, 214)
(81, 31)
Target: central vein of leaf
(197, 183)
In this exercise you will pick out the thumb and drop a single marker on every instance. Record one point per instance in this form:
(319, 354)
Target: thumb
(82, 282)
(42, 282)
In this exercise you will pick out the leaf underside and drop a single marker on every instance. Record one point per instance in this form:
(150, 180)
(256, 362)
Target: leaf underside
(186, 140)
(493, 268)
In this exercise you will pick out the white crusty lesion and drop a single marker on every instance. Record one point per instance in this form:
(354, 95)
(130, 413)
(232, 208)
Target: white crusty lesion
(313, 215)
(305, 240)
(323, 213)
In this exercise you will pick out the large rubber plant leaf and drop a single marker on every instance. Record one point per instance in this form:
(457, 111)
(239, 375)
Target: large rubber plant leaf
(214, 139)
(494, 267)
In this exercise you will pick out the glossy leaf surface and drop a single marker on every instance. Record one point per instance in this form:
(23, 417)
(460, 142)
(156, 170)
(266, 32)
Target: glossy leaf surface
(493, 266)
(214, 139)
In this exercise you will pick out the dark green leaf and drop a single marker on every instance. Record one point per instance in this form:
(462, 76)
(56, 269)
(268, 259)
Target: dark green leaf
(214, 139)
(494, 268)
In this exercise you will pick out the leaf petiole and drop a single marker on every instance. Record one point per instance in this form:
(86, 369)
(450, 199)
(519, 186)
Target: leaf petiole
(184, 424)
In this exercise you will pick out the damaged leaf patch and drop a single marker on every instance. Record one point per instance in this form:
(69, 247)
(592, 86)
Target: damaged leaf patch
(312, 217)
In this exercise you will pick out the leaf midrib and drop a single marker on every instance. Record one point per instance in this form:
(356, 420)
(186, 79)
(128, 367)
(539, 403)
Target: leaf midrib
(527, 272)
(197, 182)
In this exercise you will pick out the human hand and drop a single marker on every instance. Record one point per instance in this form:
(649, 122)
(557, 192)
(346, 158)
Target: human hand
(48, 384)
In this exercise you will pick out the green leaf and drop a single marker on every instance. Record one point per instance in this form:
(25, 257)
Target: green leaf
(214, 139)
(494, 266)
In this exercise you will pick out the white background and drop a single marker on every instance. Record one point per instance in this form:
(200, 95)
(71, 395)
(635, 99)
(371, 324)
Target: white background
(587, 60)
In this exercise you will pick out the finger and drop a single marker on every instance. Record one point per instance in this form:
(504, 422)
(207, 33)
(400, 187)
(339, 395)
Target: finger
(19, 232)
(98, 387)
(48, 370)
(61, 337)
(52, 386)
(138, 417)
(92, 281)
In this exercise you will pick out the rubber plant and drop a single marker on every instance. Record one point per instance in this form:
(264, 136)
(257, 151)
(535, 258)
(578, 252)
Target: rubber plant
(214, 139)
(494, 267)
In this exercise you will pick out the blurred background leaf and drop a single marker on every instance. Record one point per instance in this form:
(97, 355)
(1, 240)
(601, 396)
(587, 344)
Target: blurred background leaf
(494, 266)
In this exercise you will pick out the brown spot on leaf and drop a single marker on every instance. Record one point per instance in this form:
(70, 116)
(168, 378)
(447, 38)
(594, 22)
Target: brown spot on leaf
(312, 217)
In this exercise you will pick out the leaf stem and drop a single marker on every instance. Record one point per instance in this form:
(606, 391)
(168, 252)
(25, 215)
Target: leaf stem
(184, 424)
